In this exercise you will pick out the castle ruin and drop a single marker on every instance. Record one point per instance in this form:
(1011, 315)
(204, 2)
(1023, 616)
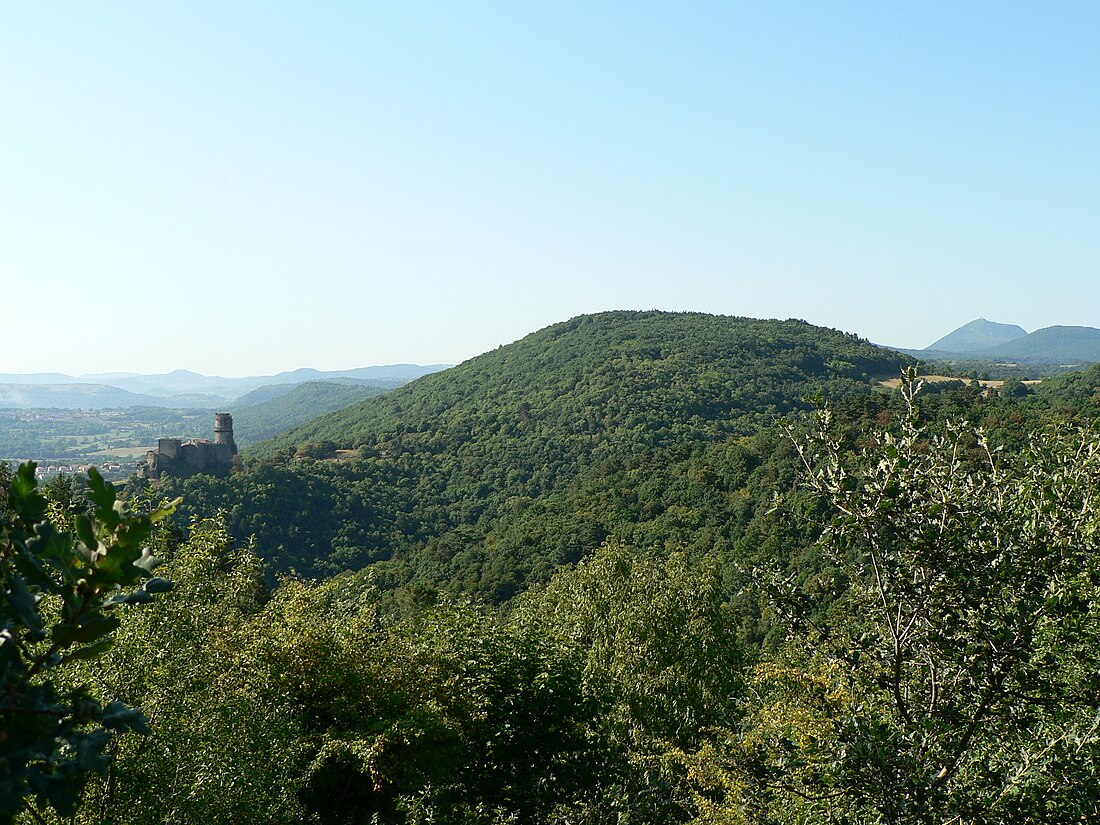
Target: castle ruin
(198, 455)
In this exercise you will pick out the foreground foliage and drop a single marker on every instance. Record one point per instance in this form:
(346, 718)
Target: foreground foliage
(63, 590)
(309, 704)
(908, 633)
(955, 677)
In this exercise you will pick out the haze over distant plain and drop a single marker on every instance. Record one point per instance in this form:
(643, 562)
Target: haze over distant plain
(244, 189)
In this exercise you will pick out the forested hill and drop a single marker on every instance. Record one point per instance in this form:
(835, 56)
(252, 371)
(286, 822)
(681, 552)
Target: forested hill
(292, 404)
(712, 634)
(488, 475)
(650, 377)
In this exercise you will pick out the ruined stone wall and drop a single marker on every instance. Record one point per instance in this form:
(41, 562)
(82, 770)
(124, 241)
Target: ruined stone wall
(178, 457)
(169, 447)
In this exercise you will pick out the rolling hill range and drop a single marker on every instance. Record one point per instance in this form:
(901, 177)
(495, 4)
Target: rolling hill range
(489, 475)
(181, 388)
(1073, 345)
(983, 340)
(223, 390)
(74, 396)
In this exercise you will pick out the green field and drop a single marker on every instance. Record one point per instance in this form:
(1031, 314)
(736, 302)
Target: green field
(69, 438)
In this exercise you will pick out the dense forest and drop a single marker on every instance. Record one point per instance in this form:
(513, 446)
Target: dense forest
(487, 476)
(634, 568)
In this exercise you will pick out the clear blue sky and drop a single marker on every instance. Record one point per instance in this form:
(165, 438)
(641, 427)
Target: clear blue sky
(241, 188)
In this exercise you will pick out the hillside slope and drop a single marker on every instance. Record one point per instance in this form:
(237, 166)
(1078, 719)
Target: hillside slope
(293, 405)
(621, 408)
(642, 376)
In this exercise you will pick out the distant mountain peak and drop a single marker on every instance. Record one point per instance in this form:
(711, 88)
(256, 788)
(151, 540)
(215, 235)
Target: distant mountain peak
(988, 340)
(978, 335)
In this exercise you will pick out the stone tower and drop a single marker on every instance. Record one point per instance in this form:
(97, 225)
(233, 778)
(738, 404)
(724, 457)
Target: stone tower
(223, 431)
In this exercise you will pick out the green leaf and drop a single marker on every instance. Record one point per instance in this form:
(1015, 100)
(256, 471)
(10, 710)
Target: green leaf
(100, 493)
(26, 502)
(24, 606)
(133, 597)
(147, 562)
(93, 628)
(60, 789)
(158, 584)
(92, 650)
(165, 510)
(122, 717)
(30, 563)
(85, 532)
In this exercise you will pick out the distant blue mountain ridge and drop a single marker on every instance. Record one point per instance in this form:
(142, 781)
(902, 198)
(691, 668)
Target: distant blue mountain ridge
(988, 340)
(179, 388)
(978, 335)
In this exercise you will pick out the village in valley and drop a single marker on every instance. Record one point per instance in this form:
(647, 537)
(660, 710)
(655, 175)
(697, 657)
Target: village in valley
(68, 442)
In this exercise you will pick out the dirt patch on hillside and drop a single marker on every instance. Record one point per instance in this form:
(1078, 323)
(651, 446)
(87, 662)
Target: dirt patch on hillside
(984, 383)
(894, 383)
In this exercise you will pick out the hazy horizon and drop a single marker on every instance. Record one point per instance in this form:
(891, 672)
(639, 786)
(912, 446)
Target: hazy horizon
(235, 190)
(124, 373)
(106, 374)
